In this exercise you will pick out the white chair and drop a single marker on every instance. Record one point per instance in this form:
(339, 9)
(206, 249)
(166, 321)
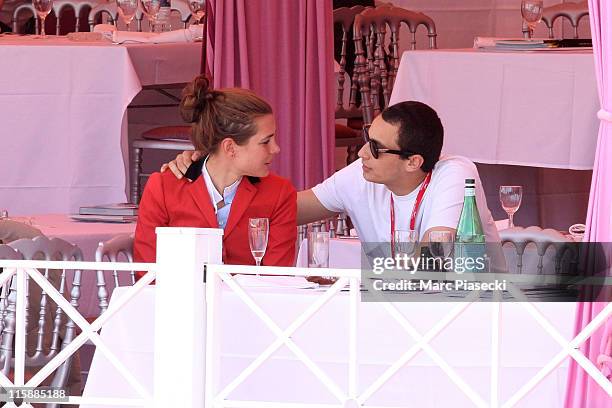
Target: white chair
(48, 329)
(534, 250)
(117, 249)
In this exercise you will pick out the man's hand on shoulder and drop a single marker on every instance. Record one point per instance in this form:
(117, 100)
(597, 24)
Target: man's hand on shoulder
(179, 166)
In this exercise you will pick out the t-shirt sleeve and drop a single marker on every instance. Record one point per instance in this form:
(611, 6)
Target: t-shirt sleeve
(448, 194)
(334, 191)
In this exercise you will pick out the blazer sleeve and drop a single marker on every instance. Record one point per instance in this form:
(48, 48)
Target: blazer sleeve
(152, 213)
(283, 229)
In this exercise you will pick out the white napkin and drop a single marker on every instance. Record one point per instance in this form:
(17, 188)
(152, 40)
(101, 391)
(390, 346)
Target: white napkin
(186, 35)
(482, 42)
(294, 282)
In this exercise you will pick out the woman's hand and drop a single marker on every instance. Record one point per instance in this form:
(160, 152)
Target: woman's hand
(179, 166)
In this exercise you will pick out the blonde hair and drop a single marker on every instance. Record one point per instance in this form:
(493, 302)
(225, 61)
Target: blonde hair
(219, 114)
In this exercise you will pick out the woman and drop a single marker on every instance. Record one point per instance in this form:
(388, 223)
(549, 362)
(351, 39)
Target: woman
(232, 183)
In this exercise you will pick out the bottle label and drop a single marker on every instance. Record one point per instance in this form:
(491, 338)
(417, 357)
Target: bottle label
(470, 191)
(470, 257)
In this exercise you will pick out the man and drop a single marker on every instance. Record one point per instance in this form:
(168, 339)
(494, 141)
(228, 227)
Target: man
(381, 188)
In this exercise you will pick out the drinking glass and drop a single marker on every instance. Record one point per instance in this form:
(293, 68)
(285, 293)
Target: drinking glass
(318, 249)
(127, 9)
(441, 244)
(258, 237)
(43, 8)
(531, 11)
(510, 197)
(198, 9)
(151, 9)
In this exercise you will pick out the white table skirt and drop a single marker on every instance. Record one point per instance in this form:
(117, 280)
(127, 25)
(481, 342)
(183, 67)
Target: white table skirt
(63, 128)
(465, 345)
(521, 108)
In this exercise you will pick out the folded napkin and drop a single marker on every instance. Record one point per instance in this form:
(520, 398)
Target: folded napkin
(294, 282)
(190, 34)
(482, 42)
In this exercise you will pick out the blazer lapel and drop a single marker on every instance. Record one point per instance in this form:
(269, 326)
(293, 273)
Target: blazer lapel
(244, 196)
(200, 196)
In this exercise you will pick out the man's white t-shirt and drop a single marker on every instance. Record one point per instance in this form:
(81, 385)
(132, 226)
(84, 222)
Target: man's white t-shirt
(368, 204)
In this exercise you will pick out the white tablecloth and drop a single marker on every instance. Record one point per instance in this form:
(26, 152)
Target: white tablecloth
(465, 345)
(525, 108)
(63, 129)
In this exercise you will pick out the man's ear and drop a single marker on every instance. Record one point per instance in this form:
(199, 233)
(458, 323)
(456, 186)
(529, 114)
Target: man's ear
(414, 162)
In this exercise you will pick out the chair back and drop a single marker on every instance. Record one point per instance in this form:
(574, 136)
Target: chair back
(109, 9)
(574, 12)
(545, 251)
(344, 18)
(79, 8)
(376, 63)
(48, 329)
(117, 249)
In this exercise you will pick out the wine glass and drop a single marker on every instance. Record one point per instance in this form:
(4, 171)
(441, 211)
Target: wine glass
(127, 9)
(531, 10)
(441, 244)
(43, 8)
(510, 197)
(258, 237)
(405, 243)
(198, 9)
(151, 9)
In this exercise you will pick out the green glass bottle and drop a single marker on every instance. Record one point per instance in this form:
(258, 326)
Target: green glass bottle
(470, 251)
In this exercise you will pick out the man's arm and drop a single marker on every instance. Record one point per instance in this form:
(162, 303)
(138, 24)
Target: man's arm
(310, 209)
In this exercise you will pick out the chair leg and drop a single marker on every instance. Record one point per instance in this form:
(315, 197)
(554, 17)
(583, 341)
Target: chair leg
(135, 178)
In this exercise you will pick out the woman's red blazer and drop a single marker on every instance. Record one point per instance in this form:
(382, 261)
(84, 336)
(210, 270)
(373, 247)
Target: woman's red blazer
(170, 202)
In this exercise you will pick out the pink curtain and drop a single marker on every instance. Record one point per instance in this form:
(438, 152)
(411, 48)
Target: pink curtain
(582, 390)
(283, 51)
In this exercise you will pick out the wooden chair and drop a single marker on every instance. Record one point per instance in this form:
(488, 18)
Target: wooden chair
(348, 136)
(377, 64)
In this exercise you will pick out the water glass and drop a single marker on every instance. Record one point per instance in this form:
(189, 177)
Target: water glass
(405, 242)
(258, 237)
(127, 9)
(318, 249)
(441, 245)
(510, 198)
(151, 9)
(43, 8)
(531, 10)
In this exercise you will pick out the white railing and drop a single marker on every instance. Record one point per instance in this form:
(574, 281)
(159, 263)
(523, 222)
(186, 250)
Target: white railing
(219, 276)
(186, 257)
(21, 268)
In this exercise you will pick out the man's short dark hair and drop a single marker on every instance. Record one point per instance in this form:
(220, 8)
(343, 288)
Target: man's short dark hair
(420, 130)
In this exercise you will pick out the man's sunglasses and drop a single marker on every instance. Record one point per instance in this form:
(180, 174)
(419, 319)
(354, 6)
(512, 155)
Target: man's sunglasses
(376, 149)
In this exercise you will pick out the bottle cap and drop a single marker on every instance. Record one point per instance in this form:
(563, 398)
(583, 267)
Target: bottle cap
(470, 181)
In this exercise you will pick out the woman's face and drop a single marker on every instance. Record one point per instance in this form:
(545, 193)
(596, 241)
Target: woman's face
(254, 157)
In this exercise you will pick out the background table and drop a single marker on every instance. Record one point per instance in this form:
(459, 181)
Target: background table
(63, 127)
(465, 345)
(515, 108)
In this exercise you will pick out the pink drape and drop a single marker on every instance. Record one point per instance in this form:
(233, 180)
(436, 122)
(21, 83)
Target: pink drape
(583, 391)
(283, 51)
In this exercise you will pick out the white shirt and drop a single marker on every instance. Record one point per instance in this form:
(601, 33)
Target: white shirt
(229, 192)
(368, 204)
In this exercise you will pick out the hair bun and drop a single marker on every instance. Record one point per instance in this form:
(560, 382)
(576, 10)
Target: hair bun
(195, 97)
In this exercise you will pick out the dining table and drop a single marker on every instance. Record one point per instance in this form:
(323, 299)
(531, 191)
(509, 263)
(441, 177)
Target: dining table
(63, 116)
(525, 117)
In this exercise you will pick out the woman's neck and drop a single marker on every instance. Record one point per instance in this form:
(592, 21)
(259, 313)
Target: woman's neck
(221, 172)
